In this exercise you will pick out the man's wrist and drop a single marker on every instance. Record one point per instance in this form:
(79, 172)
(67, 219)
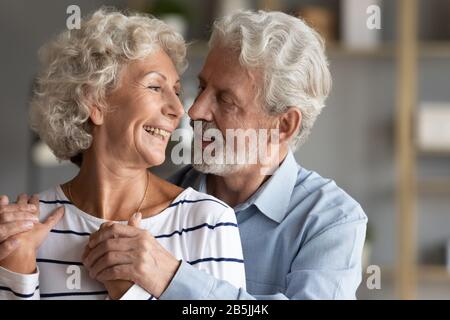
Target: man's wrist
(189, 283)
(117, 288)
(165, 278)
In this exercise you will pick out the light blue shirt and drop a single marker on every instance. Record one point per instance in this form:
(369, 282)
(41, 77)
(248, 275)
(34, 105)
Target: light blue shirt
(302, 238)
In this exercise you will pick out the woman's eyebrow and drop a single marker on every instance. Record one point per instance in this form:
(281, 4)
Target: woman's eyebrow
(157, 73)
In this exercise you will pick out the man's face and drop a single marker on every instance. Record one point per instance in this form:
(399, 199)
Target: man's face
(228, 99)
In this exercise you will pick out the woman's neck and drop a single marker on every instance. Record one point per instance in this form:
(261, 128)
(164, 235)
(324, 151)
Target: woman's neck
(108, 190)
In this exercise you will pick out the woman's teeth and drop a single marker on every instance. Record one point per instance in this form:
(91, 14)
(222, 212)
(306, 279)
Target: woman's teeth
(157, 131)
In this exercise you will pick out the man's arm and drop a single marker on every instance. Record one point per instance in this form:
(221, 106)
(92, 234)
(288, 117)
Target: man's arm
(190, 283)
(328, 266)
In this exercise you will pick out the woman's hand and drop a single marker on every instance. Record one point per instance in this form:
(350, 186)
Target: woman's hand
(27, 238)
(126, 252)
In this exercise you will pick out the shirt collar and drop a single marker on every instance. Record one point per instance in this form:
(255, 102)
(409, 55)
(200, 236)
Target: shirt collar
(274, 196)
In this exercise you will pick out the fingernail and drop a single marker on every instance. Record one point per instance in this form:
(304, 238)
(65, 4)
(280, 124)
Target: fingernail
(137, 215)
(32, 207)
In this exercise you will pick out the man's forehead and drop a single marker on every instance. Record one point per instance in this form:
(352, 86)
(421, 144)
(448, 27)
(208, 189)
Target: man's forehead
(223, 66)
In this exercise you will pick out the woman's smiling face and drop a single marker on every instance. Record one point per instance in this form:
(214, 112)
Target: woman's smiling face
(141, 113)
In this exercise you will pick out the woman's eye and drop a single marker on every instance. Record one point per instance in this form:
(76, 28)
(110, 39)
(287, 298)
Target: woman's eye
(154, 88)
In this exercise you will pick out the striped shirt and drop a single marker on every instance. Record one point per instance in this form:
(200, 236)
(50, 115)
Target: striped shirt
(196, 228)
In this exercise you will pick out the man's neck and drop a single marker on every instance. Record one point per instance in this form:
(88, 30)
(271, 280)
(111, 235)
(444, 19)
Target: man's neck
(238, 187)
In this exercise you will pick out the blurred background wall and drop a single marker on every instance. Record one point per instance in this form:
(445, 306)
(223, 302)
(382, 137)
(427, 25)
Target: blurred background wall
(352, 142)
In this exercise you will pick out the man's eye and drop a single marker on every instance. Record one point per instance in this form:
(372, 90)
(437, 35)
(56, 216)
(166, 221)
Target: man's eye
(226, 101)
(154, 88)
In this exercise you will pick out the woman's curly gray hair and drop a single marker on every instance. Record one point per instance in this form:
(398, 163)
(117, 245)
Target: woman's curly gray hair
(81, 66)
(291, 56)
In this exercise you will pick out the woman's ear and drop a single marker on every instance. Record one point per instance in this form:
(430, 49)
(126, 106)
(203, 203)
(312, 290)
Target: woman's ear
(289, 124)
(96, 115)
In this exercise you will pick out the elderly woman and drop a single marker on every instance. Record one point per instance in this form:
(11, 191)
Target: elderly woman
(108, 99)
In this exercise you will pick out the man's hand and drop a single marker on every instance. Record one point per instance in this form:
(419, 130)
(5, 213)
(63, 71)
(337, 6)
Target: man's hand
(22, 259)
(117, 288)
(125, 252)
(14, 219)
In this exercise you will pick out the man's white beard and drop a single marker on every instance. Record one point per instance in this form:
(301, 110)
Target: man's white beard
(221, 169)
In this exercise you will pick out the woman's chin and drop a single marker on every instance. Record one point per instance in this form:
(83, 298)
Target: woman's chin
(154, 159)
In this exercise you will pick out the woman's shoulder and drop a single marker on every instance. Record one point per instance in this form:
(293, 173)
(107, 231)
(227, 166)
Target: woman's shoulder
(50, 199)
(52, 195)
(191, 195)
(188, 196)
(202, 208)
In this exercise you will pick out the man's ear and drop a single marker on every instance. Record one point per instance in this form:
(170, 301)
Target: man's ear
(289, 124)
(97, 115)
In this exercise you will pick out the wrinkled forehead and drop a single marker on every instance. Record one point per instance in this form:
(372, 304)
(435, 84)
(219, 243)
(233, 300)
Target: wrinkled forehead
(223, 69)
(158, 61)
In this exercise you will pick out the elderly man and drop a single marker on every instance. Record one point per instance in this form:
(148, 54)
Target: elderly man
(302, 235)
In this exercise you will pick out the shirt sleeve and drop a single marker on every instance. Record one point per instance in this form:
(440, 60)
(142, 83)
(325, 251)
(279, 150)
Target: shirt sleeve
(136, 293)
(15, 286)
(328, 266)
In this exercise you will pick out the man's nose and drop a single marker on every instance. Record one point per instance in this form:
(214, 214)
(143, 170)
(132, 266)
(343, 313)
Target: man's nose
(201, 108)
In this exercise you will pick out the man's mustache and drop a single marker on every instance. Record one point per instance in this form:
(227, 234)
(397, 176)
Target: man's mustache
(205, 125)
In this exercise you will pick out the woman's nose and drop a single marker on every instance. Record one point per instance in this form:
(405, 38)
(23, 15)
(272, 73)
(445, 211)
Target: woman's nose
(174, 107)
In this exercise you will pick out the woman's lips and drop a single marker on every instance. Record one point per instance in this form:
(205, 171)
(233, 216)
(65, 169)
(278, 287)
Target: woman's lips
(158, 132)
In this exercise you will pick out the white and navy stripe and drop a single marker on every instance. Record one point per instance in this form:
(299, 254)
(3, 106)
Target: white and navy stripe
(195, 227)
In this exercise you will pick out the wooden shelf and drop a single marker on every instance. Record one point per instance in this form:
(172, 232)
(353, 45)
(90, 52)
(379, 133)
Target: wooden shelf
(337, 50)
(425, 50)
(435, 185)
(433, 152)
(434, 273)
(438, 49)
(426, 273)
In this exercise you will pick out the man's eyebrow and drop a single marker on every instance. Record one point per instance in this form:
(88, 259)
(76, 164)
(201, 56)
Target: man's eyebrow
(158, 73)
(230, 92)
(226, 90)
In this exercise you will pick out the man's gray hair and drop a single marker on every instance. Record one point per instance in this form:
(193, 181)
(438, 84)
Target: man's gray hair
(291, 56)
